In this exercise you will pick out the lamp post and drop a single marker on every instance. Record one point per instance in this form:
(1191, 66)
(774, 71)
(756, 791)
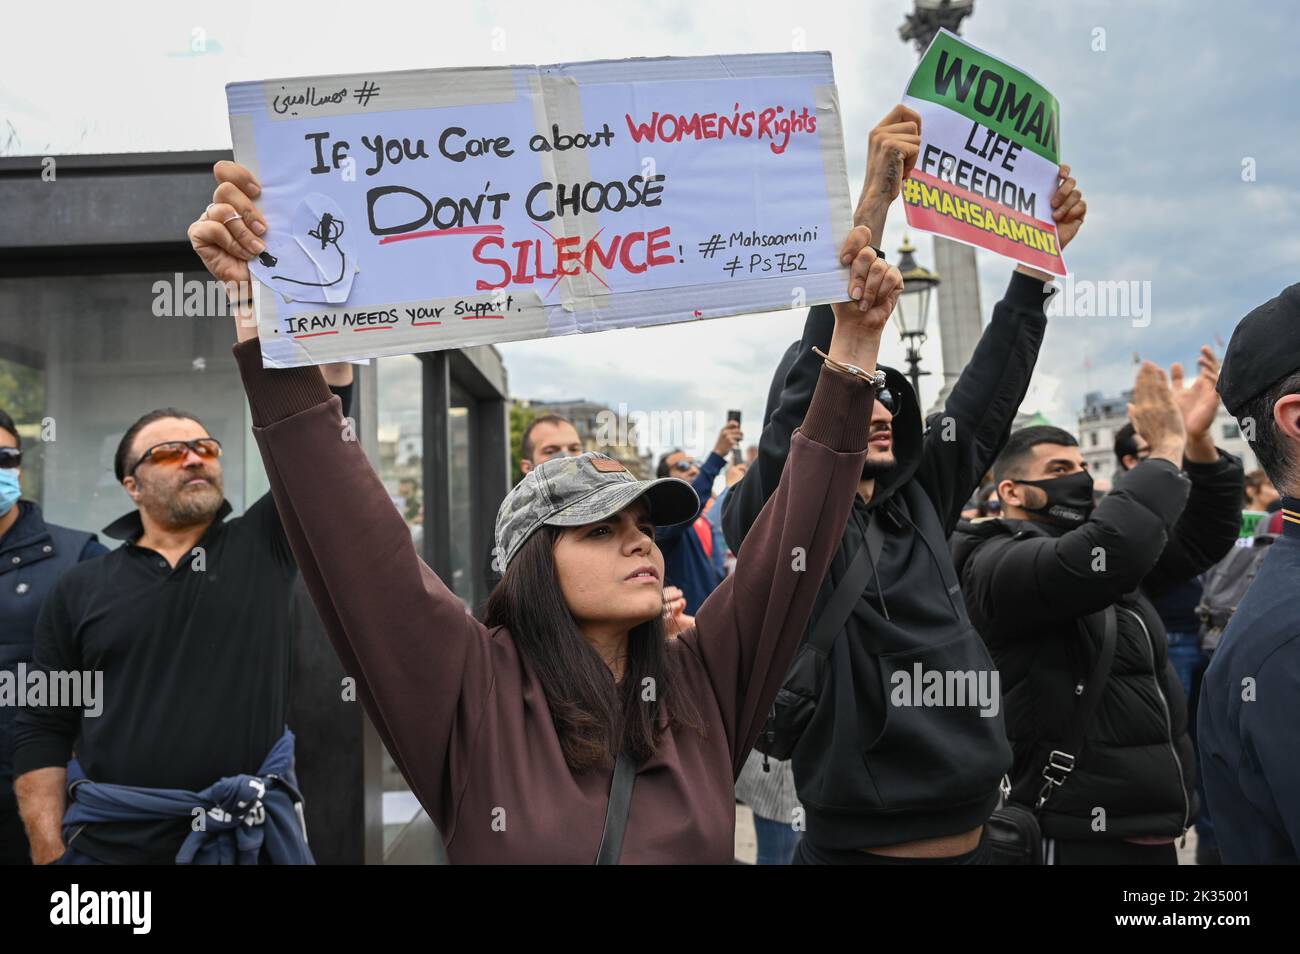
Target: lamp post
(913, 311)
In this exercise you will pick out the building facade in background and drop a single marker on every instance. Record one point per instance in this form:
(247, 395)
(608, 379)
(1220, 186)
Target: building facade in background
(1102, 417)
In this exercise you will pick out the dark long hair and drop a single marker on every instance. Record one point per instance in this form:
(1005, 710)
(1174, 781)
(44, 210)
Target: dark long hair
(593, 717)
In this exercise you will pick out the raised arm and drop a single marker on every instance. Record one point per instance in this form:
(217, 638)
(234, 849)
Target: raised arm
(892, 148)
(261, 515)
(1211, 521)
(421, 663)
(749, 628)
(1209, 525)
(978, 414)
(1049, 579)
(728, 437)
(747, 498)
(960, 447)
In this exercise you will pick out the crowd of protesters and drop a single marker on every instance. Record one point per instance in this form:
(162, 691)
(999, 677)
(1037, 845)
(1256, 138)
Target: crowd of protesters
(652, 652)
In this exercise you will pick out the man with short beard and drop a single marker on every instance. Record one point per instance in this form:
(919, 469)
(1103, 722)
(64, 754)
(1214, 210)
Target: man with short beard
(545, 438)
(189, 623)
(1065, 595)
(882, 782)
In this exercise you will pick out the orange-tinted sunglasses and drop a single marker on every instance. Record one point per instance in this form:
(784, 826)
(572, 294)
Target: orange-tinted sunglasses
(173, 452)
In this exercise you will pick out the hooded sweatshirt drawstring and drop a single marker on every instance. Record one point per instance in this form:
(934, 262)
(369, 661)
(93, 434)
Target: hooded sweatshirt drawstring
(880, 587)
(938, 566)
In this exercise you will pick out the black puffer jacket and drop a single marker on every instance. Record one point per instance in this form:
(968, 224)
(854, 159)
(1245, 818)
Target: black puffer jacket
(1026, 583)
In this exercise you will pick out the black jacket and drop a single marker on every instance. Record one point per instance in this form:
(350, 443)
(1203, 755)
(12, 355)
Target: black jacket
(33, 555)
(1247, 714)
(1027, 583)
(868, 772)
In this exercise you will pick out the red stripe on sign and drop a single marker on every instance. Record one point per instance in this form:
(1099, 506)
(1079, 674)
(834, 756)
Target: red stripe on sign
(463, 230)
(476, 317)
(421, 324)
(314, 334)
(934, 220)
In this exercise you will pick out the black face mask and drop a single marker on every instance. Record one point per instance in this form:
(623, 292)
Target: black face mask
(1069, 499)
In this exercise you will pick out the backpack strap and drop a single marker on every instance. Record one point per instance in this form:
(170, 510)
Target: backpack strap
(620, 804)
(1061, 762)
(838, 609)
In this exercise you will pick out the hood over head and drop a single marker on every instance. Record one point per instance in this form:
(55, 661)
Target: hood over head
(907, 425)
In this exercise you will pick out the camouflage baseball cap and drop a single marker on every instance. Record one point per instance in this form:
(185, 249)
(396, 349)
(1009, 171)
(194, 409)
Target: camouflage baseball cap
(572, 491)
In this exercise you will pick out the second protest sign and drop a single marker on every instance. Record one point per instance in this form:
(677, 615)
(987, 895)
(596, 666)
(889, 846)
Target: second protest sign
(990, 154)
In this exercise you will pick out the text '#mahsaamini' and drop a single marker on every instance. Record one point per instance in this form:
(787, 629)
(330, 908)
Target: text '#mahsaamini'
(945, 201)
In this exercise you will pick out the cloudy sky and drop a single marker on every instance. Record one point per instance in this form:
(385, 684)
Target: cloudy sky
(1160, 126)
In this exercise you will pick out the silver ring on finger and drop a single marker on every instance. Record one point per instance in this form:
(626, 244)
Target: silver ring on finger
(232, 218)
(204, 216)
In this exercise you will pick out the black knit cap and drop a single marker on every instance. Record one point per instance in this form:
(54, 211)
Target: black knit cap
(1264, 349)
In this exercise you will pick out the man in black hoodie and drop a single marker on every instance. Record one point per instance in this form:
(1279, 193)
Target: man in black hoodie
(885, 775)
(1116, 785)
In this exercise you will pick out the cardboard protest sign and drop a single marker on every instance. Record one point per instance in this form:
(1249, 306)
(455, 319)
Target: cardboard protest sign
(990, 144)
(435, 209)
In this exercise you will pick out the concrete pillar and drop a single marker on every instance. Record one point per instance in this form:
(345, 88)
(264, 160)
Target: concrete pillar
(961, 316)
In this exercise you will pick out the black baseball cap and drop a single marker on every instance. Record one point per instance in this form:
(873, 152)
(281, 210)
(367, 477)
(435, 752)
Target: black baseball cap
(1264, 349)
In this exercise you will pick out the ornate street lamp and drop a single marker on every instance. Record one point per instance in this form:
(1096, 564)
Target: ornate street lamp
(930, 16)
(913, 311)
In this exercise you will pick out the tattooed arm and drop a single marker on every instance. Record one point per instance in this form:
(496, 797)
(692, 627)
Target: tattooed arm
(892, 149)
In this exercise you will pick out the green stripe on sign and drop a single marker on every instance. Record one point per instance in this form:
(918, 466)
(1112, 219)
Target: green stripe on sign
(988, 91)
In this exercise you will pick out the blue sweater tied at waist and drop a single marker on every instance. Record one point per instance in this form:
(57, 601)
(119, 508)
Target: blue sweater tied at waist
(241, 814)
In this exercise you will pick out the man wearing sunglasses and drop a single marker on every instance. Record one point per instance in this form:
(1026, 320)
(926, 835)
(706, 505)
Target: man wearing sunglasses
(189, 621)
(883, 781)
(688, 548)
(1131, 448)
(33, 555)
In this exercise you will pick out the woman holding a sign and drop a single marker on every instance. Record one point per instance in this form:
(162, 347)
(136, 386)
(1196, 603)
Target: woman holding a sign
(569, 727)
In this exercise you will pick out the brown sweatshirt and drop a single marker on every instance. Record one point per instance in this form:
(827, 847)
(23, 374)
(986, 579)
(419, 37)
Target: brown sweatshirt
(460, 710)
